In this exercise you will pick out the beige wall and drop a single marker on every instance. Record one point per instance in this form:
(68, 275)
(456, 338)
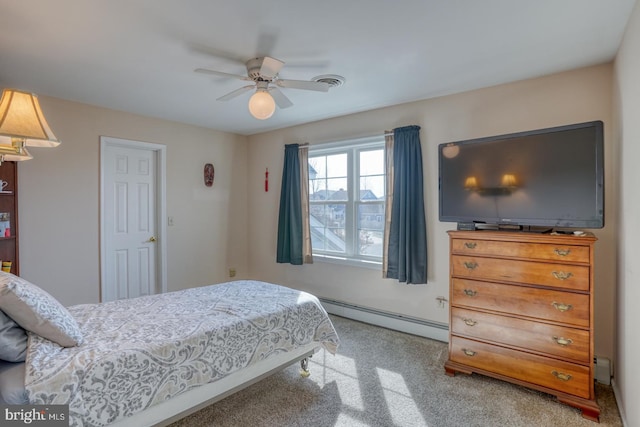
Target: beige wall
(59, 209)
(571, 97)
(627, 120)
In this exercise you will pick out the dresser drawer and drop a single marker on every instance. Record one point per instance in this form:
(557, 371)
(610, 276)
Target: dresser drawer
(558, 341)
(541, 251)
(557, 306)
(564, 276)
(547, 372)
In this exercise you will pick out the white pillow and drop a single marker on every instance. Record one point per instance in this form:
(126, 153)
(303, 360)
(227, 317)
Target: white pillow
(37, 311)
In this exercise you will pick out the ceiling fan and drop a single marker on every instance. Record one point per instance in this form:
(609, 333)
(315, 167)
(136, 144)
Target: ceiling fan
(263, 72)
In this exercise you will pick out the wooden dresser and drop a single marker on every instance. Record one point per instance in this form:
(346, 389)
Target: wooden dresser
(522, 311)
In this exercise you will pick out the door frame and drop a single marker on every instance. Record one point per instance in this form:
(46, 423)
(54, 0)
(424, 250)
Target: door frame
(160, 152)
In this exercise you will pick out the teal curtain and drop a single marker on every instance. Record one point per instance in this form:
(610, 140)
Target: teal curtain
(290, 237)
(407, 246)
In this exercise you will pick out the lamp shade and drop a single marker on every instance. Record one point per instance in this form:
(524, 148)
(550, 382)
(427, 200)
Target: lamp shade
(471, 183)
(262, 105)
(509, 180)
(21, 117)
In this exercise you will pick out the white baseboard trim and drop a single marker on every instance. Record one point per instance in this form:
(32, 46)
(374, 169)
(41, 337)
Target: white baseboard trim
(617, 394)
(411, 325)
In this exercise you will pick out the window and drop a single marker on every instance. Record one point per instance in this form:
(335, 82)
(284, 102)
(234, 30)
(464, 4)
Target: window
(347, 199)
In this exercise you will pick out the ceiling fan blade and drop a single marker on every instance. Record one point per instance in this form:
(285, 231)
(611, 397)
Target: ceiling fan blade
(280, 98)
(218, 53)
(270, 67)
(267, 41)
(308, 63)
(235, 93)
(221, 74)
(304, 84)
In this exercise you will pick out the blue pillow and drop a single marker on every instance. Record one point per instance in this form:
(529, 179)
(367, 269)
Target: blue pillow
(12, 390)
(13, 340)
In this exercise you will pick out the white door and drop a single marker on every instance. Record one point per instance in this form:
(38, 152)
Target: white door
(131, 234)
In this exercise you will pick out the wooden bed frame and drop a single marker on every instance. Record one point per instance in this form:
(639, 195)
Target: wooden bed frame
(193, 400)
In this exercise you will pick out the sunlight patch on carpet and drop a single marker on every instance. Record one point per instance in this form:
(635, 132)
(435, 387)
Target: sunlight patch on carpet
(341, 370)
(402, 407)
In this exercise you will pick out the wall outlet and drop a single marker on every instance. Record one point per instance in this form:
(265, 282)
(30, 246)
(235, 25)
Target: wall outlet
(441, 301)
(232, 272)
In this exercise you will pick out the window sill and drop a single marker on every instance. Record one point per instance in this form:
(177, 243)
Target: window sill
(351, 262)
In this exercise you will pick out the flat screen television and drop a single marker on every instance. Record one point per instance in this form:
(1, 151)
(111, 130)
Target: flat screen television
(550, 178)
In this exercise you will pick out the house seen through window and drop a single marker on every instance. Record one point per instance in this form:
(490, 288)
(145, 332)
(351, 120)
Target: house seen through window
(347, 199)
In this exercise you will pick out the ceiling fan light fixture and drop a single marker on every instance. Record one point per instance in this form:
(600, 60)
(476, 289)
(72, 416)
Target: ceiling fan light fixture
(264, 73)
(262, 105)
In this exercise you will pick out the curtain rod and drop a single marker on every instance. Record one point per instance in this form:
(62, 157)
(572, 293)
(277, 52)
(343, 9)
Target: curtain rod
(348, 138)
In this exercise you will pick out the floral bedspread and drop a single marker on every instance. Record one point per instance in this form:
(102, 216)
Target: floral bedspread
(142, 351)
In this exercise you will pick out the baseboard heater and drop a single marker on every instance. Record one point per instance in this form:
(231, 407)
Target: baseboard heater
(411, 325)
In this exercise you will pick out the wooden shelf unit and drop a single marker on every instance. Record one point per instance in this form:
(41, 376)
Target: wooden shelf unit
(9, 203)
(522, 311)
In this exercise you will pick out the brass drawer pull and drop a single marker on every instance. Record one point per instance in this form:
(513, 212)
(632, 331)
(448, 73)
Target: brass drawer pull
(470, 322)
(470, 245)
(561, 275)
(562, 307)
(470, 292)
(562, 252)
(468, 352)
(563, 341)
(471, 265)
(561, 376)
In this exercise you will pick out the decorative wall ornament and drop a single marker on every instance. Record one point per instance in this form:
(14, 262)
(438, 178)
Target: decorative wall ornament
(209, 173)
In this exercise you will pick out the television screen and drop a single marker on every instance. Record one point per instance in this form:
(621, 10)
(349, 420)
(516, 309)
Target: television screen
(549, 177)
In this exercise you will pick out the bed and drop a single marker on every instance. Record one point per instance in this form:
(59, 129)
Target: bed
(152, 360)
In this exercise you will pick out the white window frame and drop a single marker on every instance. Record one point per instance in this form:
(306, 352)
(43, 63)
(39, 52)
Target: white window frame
(352, 147)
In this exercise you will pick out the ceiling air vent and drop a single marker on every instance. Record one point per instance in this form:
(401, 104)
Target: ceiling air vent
(333, 80)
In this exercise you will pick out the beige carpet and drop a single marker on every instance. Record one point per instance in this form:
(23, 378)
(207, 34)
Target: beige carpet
(386, 378)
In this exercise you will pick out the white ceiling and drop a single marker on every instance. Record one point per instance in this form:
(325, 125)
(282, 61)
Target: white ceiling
(139, 55)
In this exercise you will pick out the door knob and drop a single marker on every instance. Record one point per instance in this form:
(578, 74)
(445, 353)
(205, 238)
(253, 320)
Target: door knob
(151, 239)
